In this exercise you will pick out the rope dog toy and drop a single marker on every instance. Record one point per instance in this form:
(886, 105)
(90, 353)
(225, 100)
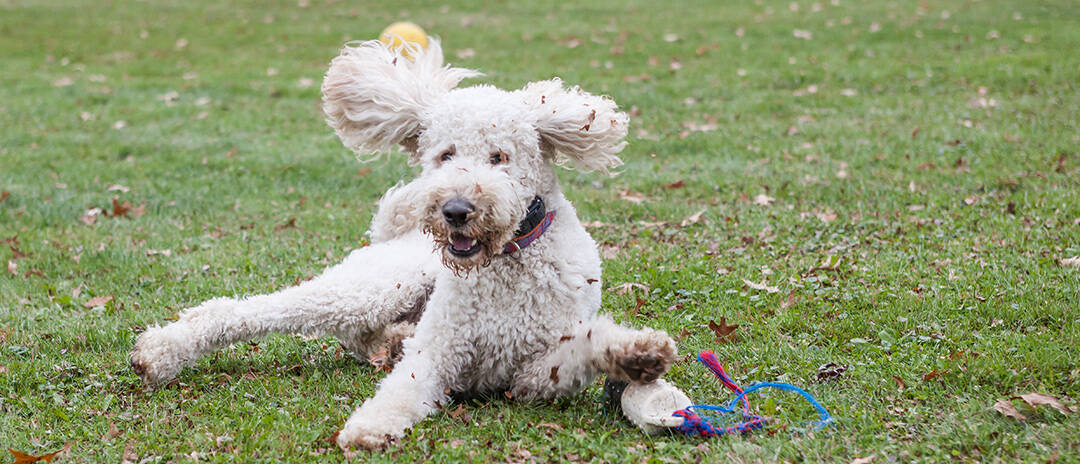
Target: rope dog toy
(698, 418)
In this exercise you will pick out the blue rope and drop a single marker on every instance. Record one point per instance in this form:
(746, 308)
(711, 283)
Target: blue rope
(695, 423)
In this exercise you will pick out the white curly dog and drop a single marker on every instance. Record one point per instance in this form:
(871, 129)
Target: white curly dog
(505, 301)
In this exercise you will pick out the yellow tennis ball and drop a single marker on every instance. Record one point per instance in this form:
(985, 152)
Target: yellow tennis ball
(395, 33)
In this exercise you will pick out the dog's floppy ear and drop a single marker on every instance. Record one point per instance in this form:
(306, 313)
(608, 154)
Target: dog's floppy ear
(373, 95)
(575, 125)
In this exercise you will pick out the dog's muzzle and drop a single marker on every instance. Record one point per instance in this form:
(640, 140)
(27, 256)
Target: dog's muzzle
(457, 213)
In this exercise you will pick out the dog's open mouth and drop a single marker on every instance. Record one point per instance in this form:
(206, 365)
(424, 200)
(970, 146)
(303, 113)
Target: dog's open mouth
(463, 246)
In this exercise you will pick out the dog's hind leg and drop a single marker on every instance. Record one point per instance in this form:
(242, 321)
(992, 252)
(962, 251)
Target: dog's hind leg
(374, 287)
(593, 347)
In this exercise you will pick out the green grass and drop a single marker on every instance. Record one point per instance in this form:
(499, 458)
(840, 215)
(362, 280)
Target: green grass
(949, 219)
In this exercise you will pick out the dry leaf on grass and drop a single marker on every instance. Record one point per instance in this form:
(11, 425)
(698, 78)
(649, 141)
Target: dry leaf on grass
(632, 196)
(830, 371)
(761, 286)
(724, 333)
(1036, 399)
(763, 199)
(98, 301)
(695, 218)
(23, 458)
(625, 288)
(1005, 407)
(1074, 261)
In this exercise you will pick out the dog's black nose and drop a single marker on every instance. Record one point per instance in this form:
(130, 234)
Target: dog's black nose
(456, 211)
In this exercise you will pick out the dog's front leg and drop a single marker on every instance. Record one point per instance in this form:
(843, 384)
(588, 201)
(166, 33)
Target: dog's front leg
(592, 347)
(416, 388)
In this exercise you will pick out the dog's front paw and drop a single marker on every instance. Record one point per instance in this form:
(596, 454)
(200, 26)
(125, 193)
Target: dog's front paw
(369, 435)
(643, 358)
(158, 356)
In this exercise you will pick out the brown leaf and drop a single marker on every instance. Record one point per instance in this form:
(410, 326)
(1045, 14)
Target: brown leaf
(112, 433)
(675, 185)
(4, 195)
(789, 301)
(830, 371)
(1060, 167)
(23, 458)
(363, 172)
(639, 303)
(290, 224)
(1005, 407)
(554, 374)
(98, 301)
(380, 360)
(695, 218)
(90, 217)
(763, 199)
(760, 286)
(724, 333)
(625, 288)
(549, 425)
(18, 254)
(899, 382)
(631, 196)
(932, 375)
(459, 413)
(1035, 399)
(120, 209)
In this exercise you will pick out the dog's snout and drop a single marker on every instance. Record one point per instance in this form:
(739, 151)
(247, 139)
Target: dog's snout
(456, 211)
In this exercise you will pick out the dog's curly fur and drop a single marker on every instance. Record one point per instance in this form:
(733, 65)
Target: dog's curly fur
(525, 322)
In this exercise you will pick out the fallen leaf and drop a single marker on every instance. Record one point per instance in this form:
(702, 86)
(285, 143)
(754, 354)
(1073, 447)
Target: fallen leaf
(763, 199)
(1035, 399)
(1074, 261)
(724, 333)
(899, 382)
(674, 185)
(693, 219)
(631, 196)
(112, 433)
(549, 425)
(290, 224)
(932, 375)
(23, 458)
(1060, 166)
(363, 171)
(830, 371)
(1005, 407)
(760, 286)
(165, 253)
(459, 413)
(90, 217)
(12, 267)
(625, 288)
(789, 301)
(866, 460)
(117, 188)
(4, 195)
(380, 360)
(637, 306)
(98, 301)
(63, 82)
(120, 209)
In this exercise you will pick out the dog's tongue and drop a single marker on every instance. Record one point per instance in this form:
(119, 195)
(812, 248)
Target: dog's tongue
(461, 242)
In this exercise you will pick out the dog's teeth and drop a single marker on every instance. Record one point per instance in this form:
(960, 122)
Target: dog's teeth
(472, 243)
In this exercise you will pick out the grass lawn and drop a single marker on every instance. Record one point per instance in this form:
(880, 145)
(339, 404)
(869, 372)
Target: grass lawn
(898, 181)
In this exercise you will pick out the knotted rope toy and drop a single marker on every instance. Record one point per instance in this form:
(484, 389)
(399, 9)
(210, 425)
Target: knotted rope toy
(696, 421)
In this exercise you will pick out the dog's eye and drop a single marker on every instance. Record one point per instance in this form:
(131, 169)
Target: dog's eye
(446, 156)
(499, 157)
